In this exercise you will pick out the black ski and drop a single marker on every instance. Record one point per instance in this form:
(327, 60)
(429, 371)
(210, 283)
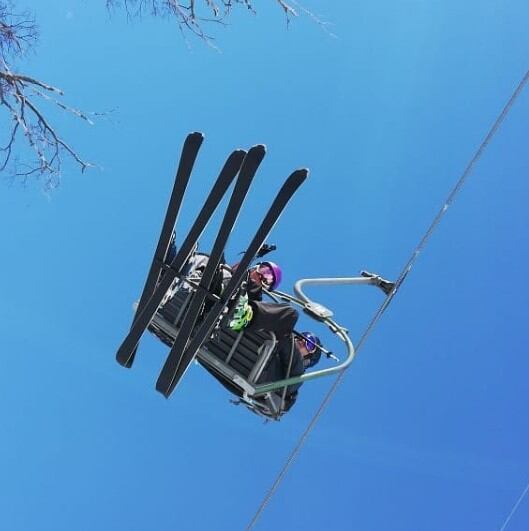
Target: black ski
(176, 366)
(188, 156)
(145, 314)
(251, 163)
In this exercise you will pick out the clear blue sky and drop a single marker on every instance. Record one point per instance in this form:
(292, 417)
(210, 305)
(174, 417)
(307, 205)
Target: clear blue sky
(429, 429)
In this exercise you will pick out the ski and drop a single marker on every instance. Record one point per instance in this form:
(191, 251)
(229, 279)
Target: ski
(177, 363)
(251, 163)
(153, 300)
(188, 156)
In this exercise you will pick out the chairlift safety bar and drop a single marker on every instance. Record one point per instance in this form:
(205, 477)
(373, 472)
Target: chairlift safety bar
(323, 314)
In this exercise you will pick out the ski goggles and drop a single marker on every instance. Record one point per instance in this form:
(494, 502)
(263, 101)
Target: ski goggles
(310, 346)
(267, 275)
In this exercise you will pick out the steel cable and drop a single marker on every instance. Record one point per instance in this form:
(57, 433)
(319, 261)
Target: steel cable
(515, 507)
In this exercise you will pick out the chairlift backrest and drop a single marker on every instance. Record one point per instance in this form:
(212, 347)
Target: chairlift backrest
(238, 360)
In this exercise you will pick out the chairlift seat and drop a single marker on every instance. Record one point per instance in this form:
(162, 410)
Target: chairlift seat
(238, 360)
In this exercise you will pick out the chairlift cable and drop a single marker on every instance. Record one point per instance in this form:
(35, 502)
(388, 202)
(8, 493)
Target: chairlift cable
(515, 507)
(406, 269)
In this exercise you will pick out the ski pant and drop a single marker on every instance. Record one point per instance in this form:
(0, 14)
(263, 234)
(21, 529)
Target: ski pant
(274, 317)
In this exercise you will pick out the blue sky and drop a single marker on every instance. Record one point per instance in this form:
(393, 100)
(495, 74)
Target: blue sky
(429, 427)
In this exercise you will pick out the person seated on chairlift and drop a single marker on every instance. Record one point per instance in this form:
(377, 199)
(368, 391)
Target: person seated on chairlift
(295, 352)
(252, 313)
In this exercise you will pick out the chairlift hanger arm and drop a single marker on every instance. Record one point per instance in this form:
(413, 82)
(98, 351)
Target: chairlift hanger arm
(323, 315)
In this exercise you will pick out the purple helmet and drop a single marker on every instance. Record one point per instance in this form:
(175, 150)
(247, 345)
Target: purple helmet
(312, 344)
(271, 273)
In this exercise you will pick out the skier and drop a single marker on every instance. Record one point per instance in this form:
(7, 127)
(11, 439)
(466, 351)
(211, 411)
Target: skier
(294, 352)
(280, 318)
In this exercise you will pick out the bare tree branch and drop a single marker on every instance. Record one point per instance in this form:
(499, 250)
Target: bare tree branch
(18, 31)
(324, 25)
(30, 136)
(29, 129)
(193, 15)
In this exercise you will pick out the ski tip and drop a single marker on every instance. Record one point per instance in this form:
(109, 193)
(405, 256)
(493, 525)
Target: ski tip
(238, 154)
(258, 148)
(253, 158)
(300, 173)
(195, 136)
